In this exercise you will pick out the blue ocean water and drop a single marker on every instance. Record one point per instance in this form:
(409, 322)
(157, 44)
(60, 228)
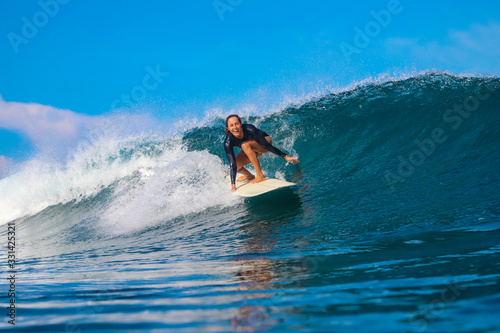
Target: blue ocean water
(393, 227)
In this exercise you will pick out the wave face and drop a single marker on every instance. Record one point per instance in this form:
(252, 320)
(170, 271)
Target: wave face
(423, 146)
(396, 205)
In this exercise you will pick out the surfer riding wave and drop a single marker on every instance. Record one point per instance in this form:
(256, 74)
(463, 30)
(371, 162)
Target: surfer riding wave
(253, 143)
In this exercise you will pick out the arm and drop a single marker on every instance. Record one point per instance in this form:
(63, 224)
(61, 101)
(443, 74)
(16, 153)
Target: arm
(261, 138)
(232, 161)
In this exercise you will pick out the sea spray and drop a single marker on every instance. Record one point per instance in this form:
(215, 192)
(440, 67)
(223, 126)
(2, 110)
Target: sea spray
(116, 164)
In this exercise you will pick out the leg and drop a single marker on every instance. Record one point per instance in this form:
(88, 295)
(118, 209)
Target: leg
(241, 161)
(253, 150)
(261, 150)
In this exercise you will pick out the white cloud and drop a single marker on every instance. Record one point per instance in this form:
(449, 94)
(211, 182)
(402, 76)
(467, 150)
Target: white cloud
(476, 49)
(43, 123)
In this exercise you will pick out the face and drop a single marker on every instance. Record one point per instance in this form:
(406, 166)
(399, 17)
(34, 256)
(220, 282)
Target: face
(234, 126)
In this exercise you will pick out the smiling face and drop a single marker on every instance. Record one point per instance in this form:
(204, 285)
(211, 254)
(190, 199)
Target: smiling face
(234, 126)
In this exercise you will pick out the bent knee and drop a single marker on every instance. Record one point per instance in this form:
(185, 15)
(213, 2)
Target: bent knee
(246, 145)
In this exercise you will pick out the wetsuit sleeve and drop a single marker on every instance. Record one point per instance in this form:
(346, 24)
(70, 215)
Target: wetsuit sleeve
(228, 147)
(261, 138)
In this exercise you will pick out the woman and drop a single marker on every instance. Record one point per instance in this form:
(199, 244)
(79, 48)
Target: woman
(253, 143)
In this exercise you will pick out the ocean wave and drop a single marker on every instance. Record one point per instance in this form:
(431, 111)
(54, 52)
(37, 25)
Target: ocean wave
(399, 137)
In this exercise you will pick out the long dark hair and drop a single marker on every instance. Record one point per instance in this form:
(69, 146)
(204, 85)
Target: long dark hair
(230, 116)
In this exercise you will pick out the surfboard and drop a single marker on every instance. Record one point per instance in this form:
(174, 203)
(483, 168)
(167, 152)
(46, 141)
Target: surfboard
(247, 190)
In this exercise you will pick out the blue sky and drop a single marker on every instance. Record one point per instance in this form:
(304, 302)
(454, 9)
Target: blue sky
(66, 64)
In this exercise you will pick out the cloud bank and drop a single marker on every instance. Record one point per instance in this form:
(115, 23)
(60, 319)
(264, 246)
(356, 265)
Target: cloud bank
(41, 123)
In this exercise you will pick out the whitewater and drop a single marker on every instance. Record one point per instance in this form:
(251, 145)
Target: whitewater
(393, 227)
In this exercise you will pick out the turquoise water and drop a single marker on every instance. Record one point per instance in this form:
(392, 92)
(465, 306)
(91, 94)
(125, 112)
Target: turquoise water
(393, 227)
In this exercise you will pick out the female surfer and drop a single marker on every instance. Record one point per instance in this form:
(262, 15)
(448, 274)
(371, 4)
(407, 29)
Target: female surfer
(253, 143)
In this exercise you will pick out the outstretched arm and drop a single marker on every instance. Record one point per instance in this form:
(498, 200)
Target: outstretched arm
(261, 138)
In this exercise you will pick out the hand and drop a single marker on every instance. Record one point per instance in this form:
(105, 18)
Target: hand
(292, 160)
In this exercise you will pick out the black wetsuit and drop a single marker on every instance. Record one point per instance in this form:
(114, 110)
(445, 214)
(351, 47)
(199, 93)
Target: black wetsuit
(250, 132)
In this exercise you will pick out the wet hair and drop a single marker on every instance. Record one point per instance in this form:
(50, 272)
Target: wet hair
(227, 119)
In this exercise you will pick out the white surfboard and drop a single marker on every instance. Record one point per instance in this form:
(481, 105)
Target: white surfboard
(247, 190)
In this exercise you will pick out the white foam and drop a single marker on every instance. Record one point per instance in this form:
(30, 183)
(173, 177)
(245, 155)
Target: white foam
(152, 179)
(182, 183)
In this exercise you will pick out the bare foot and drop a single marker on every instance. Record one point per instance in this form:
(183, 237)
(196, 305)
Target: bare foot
(258, 179)
(245, 177)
